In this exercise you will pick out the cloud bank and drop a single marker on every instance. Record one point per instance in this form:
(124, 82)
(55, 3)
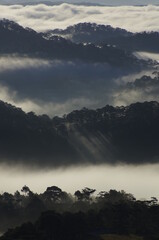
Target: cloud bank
(56, 87)
(138, 178)
(59, 87)
(42, 17)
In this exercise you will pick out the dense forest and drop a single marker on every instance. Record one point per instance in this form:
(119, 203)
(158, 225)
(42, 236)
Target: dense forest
(105, 34)
(57, 215)
(28, 41)
(105, 135)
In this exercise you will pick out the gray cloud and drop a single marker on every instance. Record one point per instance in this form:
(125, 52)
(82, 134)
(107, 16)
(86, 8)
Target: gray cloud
(56, 87)
(42, 17)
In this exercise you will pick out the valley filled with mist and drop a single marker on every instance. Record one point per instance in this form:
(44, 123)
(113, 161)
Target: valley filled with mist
(79, 121)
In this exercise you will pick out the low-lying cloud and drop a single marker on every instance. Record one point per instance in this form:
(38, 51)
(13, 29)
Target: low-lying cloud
(134, 179)
(143, 89)
(56, 87)
(42, 17)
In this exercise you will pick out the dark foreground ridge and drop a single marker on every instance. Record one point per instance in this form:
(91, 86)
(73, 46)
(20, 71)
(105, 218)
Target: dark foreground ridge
(109, 215)
(107, 135)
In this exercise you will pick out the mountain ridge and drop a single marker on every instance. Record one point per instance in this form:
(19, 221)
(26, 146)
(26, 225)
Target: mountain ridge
(27, 41)
(107, 135)
(106, 34)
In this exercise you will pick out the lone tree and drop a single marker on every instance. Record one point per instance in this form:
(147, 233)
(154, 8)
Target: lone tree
(26, 190)
(85, 194)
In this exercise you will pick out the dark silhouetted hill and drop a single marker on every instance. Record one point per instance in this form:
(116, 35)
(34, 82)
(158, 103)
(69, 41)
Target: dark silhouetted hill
(107, 135)
(105, 34)
(88, 33)
(18, 40)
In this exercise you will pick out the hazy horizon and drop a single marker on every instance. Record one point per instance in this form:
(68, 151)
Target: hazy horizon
(130, 178)
(94, 2)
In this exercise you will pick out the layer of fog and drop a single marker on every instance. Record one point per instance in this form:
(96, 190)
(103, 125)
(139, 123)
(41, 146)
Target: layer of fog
(147, 56)
(142, 181)
(42, 17)
(58, 87)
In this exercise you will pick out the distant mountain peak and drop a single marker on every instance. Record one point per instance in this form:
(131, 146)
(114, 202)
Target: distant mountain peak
(89, 28)
(100, 34)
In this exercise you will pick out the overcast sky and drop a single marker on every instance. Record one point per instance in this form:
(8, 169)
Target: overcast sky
(106, 2)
